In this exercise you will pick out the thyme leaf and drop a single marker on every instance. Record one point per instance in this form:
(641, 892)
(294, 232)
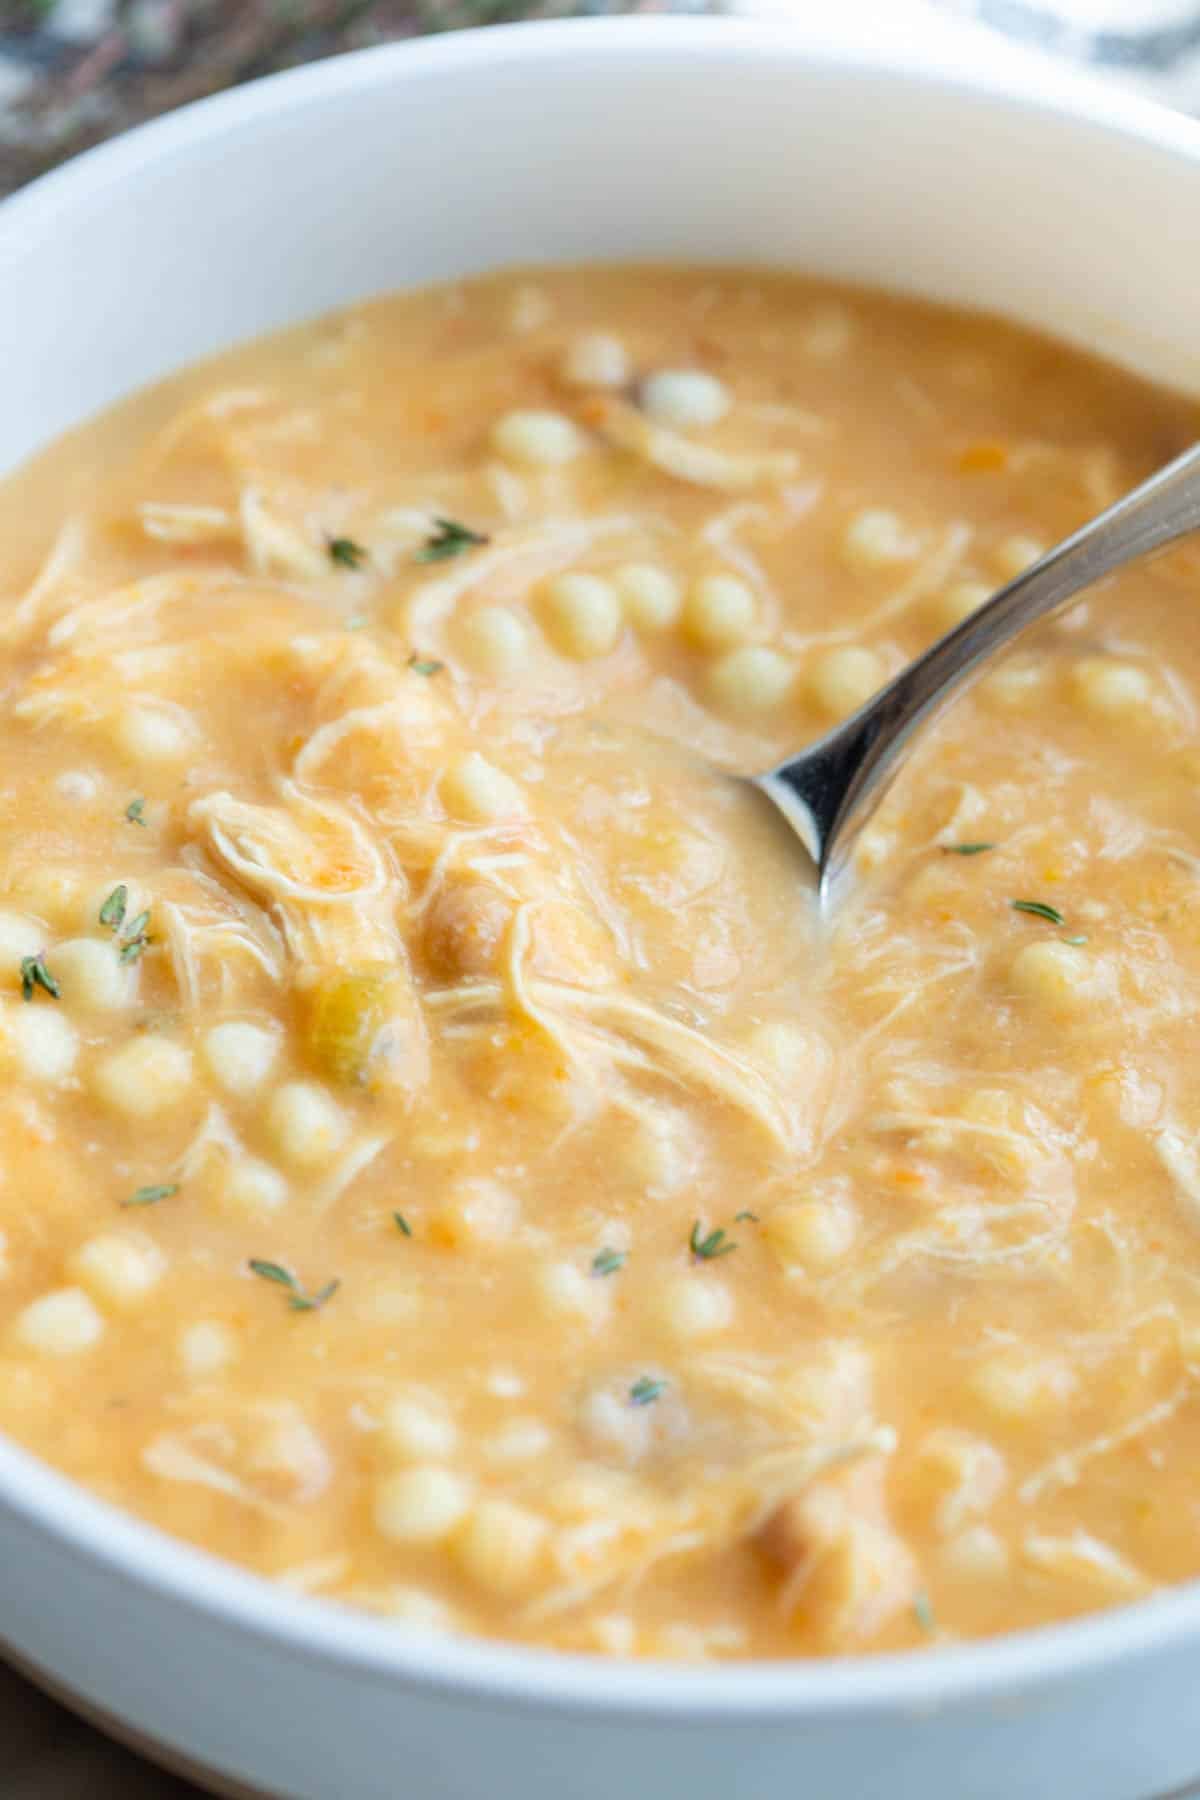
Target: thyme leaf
(646, 1390)
(1039, 910)
(134, 811)
(450, 539)
(402, 1225)
(966, 849)
(150, 1196)
(136, 936)
(298, 1300)
(345, 552)
(607, 1262)
(112, 913)
(35, 974)
(707, 1248)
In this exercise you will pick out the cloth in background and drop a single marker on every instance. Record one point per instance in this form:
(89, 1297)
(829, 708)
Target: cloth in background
(1151, 44)
(73, 72)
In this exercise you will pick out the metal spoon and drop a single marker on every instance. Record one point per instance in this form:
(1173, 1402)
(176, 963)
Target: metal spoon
(829, 791)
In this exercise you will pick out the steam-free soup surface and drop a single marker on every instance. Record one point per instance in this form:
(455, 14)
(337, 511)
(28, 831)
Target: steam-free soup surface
(443, 1167)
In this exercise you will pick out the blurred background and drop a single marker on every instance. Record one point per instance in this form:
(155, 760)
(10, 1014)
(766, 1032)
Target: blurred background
(74, 72)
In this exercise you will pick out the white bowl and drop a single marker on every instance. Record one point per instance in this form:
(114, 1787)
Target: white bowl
(998, 184)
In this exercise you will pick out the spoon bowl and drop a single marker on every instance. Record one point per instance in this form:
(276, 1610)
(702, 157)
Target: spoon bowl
(829, 790)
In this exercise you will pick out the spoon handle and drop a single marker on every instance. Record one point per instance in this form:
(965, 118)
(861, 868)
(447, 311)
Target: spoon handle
(830, 790)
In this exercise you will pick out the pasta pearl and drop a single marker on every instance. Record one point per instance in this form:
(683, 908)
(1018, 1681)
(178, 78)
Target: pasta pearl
(959, 602)
(149, 735)
(53, 894)
(120, 1269)
(240, 1056)
(206, 1348)
(976, 1554)
(753, 679)
(43, 1043)
(538, 439)
(583, 616)
(495, 641)
(597, 359)
(814, 1232)
(522, 1440)
(720, 611)
(684, 399)
(147, 1077)
(61, 1323)
(876, 539)
(420, 1505)
(1018, 1384)
(477, 1212)
(651, 598)
(253, 1190)
(20, 936)
(842, 680)
(567, 1293)
(1019, 684)
(77, 785)
(789, 1051)
(92, 975)
(1112, 689)
(1013, 555)
(500, 1545)
(307, 1125)
(418, 1611)
(417, 1429)
(694, 1305)
(1060, 977)
(475, 789)
(658, 1151)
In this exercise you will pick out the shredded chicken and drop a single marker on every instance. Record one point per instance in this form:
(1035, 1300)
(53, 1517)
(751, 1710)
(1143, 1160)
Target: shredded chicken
(703, 465)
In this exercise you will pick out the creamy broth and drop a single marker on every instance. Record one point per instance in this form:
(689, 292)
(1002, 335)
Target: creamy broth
(443, 1167)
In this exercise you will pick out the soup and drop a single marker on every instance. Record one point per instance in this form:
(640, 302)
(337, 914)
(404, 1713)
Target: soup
(445, 1168)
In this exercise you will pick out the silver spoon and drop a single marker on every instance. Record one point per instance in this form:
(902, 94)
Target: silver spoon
(829, 791)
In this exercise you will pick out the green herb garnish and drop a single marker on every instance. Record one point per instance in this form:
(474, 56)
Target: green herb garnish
(425, 665)
(715, 1244)
(345, 552)
(752, 1216)
(1080, 938)
(607, 1262)
(450, 539)
(35, 974)
(1039, 910)
(646, 1390)
(966, 849)
(923, 1612)
(150, 1196)
(401, 1223)
(136, 939)
(134, 811)
(135, 936)
(298, 1300)
(112, 913)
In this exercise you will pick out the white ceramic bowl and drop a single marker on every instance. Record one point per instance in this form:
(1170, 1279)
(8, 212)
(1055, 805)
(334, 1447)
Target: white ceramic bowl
(994, 183)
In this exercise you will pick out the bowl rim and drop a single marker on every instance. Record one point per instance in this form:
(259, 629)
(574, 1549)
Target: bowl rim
(92, 1532)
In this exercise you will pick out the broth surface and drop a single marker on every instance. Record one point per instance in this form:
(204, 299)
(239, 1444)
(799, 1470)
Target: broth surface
(442, 1168)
